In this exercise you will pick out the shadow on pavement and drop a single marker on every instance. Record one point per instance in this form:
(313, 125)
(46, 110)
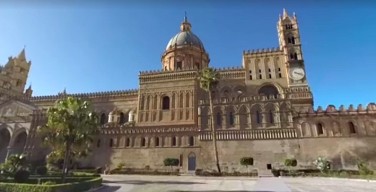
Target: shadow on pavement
(108, 189)
(144, 182)
(221, 191)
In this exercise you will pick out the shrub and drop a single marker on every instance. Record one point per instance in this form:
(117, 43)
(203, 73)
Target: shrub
(49, 183)
(21, 176)
(246, 161)
(291, 162)
(171, 162)
(41, 170)
(363, 169)
(322, 164)
(120, 166)
(73, 186)
(198, 172)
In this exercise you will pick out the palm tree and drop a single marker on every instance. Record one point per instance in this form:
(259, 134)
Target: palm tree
(209, 79)
(70, 126)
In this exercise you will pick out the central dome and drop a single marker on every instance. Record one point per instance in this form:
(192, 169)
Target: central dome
(185, 51)
(185, 37)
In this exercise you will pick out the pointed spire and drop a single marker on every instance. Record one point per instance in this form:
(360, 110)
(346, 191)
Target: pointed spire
(284, 13)
(22, 56)
(185, 26)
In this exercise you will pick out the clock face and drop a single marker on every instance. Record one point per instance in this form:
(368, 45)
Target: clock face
(297, 73)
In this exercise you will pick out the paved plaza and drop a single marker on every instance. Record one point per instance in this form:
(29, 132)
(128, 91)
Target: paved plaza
(140, 183)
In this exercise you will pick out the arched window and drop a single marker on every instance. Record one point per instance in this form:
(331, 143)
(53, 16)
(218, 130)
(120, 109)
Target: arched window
(295, 56)
(320, 130)
(197, 66)
(173, 141)
(156, 140)
(352, 127)
(268, 90)
(165, 103)
(271, 117)
(98, 143)
(293, 40)
(191, 141)
(111, 142)
(219, 119)
(231, 118)
(103, 119)
(155, 99)
(187, 100)
(147, 102)
(258, 117)
(143, 142)
(127, 142)
(122, 118)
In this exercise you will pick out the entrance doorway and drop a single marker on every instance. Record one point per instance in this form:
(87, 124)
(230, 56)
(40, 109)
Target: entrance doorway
(191, 162)
(269, 166)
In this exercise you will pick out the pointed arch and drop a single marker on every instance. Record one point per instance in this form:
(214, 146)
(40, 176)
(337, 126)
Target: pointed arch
(284, 112)
(103, 119)
(204, 114)
(319, 128)
(230, 117)
(191, 141)
(243, 117)
(271, 114)
(256, 115)
(187, 99)
(5, 136)
(352, 129)
(165, 102)
(225, 92)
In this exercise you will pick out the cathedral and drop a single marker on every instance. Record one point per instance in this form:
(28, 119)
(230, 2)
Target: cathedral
(262, 109)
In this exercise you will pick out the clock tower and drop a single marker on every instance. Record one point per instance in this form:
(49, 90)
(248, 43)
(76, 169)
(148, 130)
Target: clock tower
(289, 42)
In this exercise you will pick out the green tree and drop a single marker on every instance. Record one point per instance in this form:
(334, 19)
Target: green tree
(171, 162)
(13, 164)
(209, 79)
(291, 163)
(71, 124)
(246, 161)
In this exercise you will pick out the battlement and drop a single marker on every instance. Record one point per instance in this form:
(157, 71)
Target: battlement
(262, 51)
(331, 110)
(244, 99)
(86, 95)
(160, 71)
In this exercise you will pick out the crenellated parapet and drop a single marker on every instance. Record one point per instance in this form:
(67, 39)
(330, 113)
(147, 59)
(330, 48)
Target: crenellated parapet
(267, 51)
(256, 98)
(342, 110)
(231, 73)
(104, 94)
(164, 76)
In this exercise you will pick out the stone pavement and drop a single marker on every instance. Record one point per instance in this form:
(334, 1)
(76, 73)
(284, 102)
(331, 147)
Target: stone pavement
(135, 183)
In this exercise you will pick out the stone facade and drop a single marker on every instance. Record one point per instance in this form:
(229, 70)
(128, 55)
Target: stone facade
(263, 109)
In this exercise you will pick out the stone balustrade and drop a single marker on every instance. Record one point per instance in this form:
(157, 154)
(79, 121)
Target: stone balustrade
(254, 134)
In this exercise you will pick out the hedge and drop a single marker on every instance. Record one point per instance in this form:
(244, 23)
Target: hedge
(71, 187)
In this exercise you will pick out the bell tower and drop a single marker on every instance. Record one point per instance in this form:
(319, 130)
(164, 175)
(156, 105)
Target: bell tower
(13, 75)
(290, 44)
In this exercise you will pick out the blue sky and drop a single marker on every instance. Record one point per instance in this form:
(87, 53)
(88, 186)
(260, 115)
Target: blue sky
(101, 46)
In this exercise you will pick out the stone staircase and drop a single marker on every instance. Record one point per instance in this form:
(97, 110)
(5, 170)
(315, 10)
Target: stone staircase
(265, 173)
